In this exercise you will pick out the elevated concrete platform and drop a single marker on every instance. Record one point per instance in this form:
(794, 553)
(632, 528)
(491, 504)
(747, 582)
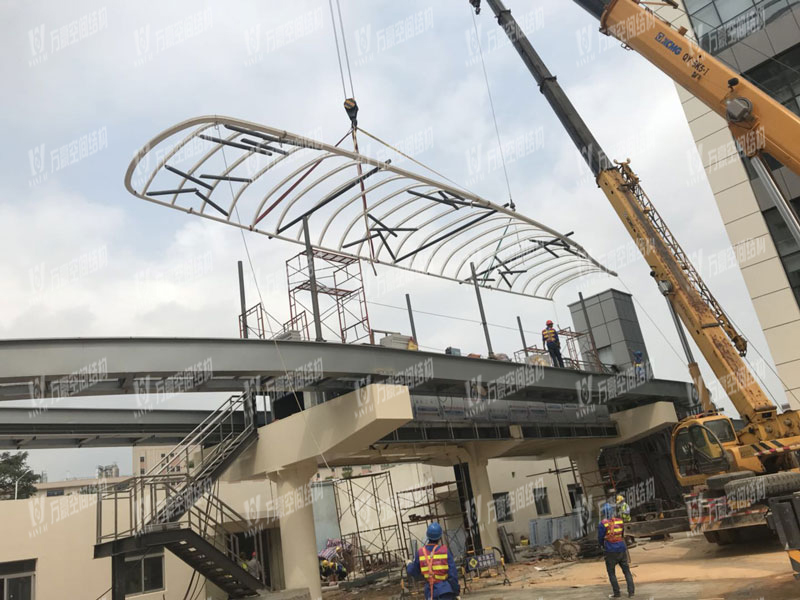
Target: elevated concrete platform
(108, 366)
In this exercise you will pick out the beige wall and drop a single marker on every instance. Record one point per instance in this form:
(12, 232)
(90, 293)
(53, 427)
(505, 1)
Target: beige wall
(62, 542)
(763, 272)
(512, 476)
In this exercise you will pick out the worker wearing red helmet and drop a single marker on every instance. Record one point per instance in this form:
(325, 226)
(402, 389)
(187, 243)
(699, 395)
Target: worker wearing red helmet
(553, 344)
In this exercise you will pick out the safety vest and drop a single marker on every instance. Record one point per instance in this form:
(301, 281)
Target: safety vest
(624, 512)
(613, 529)
(433, 564)
(549, 335)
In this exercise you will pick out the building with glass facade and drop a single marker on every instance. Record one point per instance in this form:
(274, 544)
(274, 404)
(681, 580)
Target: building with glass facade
(761, 40)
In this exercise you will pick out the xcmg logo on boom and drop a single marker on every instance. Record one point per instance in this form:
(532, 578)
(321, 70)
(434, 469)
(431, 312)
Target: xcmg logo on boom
(668, 44)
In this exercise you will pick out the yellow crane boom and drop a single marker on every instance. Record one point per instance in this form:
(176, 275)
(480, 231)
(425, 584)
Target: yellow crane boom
(757, 121)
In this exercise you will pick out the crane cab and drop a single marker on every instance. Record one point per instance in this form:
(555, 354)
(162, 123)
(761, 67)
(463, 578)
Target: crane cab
(705, 445)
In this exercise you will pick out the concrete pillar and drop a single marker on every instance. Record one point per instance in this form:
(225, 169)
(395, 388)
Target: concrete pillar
(298, 540)
(482, 495)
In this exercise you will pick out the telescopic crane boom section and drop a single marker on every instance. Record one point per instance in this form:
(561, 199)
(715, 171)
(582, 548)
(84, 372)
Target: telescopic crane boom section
(757, 121)
(712, 331)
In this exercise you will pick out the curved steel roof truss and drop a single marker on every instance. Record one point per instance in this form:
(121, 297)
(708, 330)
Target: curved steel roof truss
(269, 181)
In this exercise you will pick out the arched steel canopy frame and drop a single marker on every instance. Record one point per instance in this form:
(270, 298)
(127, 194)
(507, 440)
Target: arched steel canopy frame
(408, 215)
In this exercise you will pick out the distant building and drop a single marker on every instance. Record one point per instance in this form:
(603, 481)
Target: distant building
(105, 471)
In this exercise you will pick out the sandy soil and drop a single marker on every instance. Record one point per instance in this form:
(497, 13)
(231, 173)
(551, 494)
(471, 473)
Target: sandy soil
(715, 572)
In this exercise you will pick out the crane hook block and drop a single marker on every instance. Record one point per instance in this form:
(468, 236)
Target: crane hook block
(351, 108)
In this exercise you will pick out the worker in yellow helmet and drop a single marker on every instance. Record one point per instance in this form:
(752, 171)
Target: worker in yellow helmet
(623, 510)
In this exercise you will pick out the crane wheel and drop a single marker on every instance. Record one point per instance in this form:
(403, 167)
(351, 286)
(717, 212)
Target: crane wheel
(773, 484)
(717, 483)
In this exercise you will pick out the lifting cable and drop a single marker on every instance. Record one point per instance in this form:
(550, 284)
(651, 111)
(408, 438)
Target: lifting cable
(287, 375)
(499, 144)
(351, 108)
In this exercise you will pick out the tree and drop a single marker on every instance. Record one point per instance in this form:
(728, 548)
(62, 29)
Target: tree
(14, 469)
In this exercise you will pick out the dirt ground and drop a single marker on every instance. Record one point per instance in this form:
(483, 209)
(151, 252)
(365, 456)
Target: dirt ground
(685, 568)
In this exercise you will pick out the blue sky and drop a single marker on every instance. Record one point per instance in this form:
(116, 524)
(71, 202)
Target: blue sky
(121, 73)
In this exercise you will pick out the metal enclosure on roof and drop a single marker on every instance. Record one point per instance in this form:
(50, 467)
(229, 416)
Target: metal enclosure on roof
(270, 181)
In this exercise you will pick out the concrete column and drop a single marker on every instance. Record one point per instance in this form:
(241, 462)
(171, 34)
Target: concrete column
(482, 495)
(298, 540)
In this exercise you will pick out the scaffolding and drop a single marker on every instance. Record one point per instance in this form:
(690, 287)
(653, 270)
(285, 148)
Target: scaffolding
(573, 341)
(340, 289)
(436, 502)
(364, 506)
(254, 317)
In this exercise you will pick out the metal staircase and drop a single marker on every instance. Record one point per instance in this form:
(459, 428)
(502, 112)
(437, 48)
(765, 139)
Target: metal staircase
(174, 506)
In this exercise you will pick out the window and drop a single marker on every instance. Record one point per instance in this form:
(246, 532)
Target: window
(51, 493)
(721, 428)
(502, 507)
(17, 580)
(541, 500)
(141, 471)
(780, 78)
(575, 495)
(141, 459)
(786, 246)
(144, 574)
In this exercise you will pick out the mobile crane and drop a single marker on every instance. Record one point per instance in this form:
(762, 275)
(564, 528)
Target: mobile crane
(707, 452)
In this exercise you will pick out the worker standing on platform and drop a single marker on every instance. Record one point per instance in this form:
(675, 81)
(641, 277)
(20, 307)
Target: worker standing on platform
(434, 563)
(610, 537)
(553, 344)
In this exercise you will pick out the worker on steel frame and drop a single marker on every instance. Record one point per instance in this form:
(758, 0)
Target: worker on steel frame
(551, 341)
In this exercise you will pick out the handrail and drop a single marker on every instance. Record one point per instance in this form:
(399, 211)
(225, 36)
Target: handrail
(160, 497)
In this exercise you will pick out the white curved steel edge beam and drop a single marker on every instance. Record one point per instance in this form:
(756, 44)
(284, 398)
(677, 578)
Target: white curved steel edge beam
(332, 201)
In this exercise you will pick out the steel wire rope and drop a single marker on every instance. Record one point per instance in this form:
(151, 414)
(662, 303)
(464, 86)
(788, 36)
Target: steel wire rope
(288, 378)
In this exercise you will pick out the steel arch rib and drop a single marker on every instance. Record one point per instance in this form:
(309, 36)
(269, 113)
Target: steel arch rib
(559, 284)
(403, 221)
(360, 215)
(425, 206)
(471, 240)
(464, 244)
(538, 234)
(286, 180)
(566, 268)
(311, 186)
(455, 222)
(144, 151)
(528, 266)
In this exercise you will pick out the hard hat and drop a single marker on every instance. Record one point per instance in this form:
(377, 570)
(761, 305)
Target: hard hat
(549, 322)
(254, 553)
(620, 498)
(434, 532)
(606, 511)
(325, 563)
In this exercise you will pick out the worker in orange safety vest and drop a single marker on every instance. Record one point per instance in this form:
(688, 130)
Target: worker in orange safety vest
(434, 563)
(553, 344)
(610, 535)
